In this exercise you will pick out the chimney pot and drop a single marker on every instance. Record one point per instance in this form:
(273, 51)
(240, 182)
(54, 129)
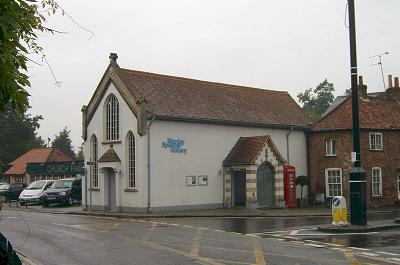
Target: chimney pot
(396, 82)
(390, 81)
(113, 57)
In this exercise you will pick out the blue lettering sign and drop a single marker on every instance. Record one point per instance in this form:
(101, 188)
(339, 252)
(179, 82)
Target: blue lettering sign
(174, 145)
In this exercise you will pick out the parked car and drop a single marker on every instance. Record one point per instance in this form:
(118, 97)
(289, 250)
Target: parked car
(34, 191)
(63, 191)
(11, 191)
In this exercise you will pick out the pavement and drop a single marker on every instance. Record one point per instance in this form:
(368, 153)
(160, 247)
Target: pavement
(223, 212)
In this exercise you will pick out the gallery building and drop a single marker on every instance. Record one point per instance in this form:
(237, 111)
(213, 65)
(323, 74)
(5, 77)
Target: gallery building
(157, 142)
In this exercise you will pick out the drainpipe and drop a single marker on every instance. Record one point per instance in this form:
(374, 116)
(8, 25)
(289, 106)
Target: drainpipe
(287, 145)
(148, 165)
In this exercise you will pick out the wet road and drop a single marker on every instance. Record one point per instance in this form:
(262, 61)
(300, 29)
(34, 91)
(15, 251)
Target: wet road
(64, 239)
(383, 243)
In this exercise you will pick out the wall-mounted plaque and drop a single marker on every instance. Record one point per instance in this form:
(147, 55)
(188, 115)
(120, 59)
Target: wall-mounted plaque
(190, 180)
(202, 180)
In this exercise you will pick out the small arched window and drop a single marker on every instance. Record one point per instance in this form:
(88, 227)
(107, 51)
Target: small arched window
(131, 146)
(94, 157)
(112, 118)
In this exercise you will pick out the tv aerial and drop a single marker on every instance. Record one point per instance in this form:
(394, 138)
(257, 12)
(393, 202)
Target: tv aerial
(379, 56)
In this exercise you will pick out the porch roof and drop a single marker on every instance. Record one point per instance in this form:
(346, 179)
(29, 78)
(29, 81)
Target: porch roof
(247, 150)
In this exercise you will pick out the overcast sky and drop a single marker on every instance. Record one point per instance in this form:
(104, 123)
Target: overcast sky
(287, 45)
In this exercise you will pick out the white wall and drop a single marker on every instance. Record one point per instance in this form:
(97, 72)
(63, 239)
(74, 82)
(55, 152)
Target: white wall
(207, 146)
(128, 122)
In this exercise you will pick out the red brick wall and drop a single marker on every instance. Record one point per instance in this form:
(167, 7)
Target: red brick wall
(388, 160)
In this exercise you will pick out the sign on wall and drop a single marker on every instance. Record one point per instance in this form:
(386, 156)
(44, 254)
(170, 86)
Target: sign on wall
(190, 180)
(174, 145)
(71, 168)
(202, 180)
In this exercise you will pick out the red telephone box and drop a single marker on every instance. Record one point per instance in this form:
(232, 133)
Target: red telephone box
(289, 184)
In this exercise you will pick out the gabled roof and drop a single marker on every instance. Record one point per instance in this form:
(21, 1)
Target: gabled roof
(177, 98)
(375, 113)
(37, 155)
(247, 150)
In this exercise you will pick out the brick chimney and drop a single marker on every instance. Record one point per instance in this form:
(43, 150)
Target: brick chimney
(362, 88)
(393, 91)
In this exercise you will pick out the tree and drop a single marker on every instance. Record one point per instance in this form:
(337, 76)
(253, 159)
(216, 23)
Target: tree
(17, 135)
(302, 181)
(20, 21)
(63, 142)
(316, 102)
(79, 156)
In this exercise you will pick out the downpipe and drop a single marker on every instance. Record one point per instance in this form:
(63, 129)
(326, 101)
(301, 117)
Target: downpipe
(148, 165)
(287, 145)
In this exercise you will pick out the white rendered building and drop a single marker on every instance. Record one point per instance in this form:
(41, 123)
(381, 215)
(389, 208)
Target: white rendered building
(155, 142)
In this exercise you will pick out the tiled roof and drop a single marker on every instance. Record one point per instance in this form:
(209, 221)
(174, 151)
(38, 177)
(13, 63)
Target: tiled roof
(184, 98)
(37, 155)
(109, 156)
(247, 149)
(375, 113)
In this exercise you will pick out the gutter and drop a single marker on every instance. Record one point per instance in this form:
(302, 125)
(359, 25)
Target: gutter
(287, 145)
(148, 165)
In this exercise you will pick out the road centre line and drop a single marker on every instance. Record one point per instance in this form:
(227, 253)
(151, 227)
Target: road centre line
(180, 252)
(314, 245)
(370, 254)
(387, 253)
(148, 233)
(362, 249)
(350, 257)
(258, 252)
(196, 243)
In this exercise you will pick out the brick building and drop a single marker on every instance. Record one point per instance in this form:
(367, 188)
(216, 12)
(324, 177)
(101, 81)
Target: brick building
(330, 145)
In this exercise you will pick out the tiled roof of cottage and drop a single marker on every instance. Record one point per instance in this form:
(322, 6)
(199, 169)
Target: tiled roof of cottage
(184, 98)
(375, 113)
(247, 150)
(37, 155)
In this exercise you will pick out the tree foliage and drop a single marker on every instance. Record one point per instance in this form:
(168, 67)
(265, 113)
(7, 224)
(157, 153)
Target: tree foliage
(316, 102)
(63, 142)
(20, 21)
(17, 135)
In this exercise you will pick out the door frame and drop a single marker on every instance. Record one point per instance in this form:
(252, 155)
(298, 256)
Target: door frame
(234, 188)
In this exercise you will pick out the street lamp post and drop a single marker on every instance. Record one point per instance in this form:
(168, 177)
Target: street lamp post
(358, 209)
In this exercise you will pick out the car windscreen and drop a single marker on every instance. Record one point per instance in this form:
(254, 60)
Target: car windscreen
(4, 186)
(62, 184)
(36, 185)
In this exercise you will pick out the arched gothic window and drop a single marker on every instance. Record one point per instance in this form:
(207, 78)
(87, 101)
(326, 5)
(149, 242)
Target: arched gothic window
(112, 118)
(131, 146)
(94, 157)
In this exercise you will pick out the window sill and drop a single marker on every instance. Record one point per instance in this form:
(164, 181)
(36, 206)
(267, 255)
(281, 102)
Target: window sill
(377, 197)
(111, 142)
(94, 189)
(376, 150)
(330, 155)
(130, 190)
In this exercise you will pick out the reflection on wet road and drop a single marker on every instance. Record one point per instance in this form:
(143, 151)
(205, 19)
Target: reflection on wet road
(302, 229)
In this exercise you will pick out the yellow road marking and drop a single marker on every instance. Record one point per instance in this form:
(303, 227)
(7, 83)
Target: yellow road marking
(180, 252)
(110, 228)
(350, 257)
(149, 232)
(258, 252)
(25, 259)
(196, 243)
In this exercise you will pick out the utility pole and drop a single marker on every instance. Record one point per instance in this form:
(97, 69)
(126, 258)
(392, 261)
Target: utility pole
(358, 203)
